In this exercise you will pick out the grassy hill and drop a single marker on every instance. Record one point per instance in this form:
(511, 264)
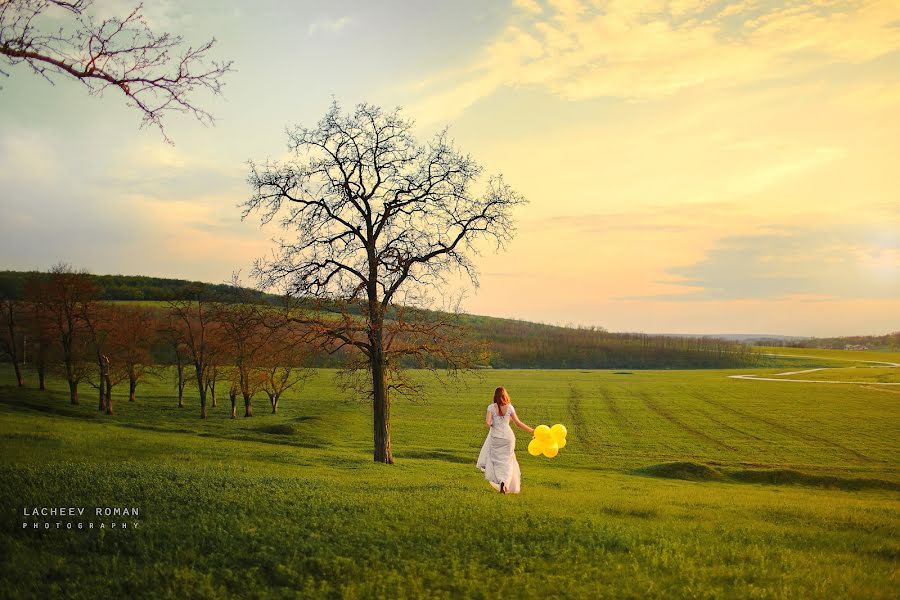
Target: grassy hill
(674, 484)
(513, 343)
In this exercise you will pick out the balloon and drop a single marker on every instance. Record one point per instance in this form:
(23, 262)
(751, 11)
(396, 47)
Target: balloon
(535, 447)
(551, 449)
(561, 443)
(559, 431)
(542, 432)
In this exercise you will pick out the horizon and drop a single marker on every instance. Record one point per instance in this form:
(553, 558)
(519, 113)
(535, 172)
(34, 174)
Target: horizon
(691, 167)
(547, 323)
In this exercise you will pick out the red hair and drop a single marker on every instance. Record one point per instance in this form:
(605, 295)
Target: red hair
(501, 399)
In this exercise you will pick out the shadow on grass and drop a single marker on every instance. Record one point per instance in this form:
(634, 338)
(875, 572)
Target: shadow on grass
(434, 455)
(689, 471)
(44, 402)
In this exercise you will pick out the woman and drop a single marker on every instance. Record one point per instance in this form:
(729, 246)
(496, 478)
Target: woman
(498, 458)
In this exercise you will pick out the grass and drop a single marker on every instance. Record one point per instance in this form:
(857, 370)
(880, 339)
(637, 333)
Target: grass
(855, 374)
(824, 353)
(673, 484)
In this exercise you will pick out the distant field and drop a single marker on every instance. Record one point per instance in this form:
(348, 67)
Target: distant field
(673, 484)
(862, 355)
(859, 374)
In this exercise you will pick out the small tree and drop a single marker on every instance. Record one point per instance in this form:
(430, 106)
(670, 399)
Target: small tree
(172, 336)
(12, 310)
(246, 340)
(65, 294)
(286, 366)
(378, 219)
(156, 72)
(134, 330)
(196, 328)
(39, 324)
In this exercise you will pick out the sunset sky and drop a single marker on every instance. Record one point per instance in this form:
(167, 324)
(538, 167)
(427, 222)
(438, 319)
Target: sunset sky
(691, 166)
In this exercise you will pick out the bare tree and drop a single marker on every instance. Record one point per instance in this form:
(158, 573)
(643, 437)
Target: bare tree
(246, 340)
(39, 325)
(65, 292)
(157, 72)
(172, 336)
(379, 218)
(11, 309)
(196, 325)
(286, 363)
(98, 323)
(134, 331)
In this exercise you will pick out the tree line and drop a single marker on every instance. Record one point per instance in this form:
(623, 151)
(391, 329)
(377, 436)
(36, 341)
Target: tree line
(889, 341)
(524, 345)
(215, 340)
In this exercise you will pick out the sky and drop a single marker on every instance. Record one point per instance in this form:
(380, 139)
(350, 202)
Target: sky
(691, 166)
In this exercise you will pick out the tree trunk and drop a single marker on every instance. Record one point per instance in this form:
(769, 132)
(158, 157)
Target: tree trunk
(233, 395)
(273, 398)
(109, 406)
(102, 390)
(13, 347)
(20, 379)
(201, 386)
(382, 408)
(42, 366)
(132, 386)
(180, 368)
(248, 406)
(212, 392)
(73, 391)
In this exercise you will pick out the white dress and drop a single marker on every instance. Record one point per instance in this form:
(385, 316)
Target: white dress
(498, 457)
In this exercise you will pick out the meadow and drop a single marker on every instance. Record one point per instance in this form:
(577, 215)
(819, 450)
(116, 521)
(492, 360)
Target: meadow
(674, 484)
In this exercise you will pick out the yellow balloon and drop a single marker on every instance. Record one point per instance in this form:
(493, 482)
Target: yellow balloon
(542, 432)
(551, 449)
(559, 431)
(561, 443)
(535, 447)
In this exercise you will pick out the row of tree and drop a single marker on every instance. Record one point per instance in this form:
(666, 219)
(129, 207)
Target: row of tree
(890, 341)
(524, 345)
(210, 339)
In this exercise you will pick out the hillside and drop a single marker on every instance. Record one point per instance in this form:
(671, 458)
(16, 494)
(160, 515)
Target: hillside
(513, 343)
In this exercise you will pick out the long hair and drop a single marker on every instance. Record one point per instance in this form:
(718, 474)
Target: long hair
(501, 399)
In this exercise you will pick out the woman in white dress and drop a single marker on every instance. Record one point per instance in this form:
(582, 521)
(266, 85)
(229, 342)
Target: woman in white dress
(498, 457)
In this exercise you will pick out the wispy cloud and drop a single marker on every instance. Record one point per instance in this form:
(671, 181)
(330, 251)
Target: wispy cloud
(646, 49)
(859, 262)
(328, 25)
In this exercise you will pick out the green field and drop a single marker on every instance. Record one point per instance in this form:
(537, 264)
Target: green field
(840, 355)
(673, 484)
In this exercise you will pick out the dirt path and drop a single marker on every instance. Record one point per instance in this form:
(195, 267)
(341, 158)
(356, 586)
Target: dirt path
(774, 377)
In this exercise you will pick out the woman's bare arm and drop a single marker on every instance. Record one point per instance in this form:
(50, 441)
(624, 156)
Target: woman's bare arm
(516, 420)
(489, 419)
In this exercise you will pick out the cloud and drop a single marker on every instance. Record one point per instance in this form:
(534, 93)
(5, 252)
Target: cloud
(531, 6)
(328, 25)
(860, 261)
(647, 49)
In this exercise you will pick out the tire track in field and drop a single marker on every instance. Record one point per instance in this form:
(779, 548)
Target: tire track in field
(796, 433)
(614, 409)
(580, 428)
(718, 421)
(651, 404)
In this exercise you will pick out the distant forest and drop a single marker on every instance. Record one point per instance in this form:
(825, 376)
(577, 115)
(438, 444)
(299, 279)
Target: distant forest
(510, 343)
(890, 342)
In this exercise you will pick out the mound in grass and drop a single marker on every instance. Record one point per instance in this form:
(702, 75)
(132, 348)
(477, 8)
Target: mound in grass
(681, 470)
(791, 477)
(280, 429)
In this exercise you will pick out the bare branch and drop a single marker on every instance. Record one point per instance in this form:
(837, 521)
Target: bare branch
(157, 72)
